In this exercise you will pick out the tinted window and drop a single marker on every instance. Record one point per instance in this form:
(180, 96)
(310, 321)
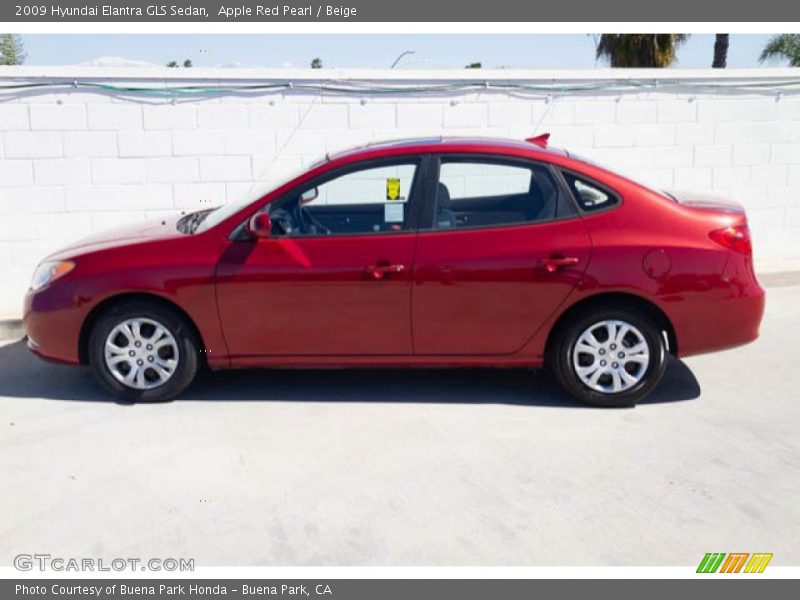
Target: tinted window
(589, 195)
(369, 200)
(484, 194)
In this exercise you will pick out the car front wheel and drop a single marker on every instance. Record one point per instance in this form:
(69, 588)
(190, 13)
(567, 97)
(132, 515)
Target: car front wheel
(609, 357)
(143, 352)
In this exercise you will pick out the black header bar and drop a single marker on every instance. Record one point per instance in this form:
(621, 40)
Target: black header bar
(465, 11)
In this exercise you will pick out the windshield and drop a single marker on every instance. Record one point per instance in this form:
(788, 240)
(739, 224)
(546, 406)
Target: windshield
(276, 176)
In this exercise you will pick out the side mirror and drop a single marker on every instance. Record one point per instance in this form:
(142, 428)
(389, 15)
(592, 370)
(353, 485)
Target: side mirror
(260, 225)
(309, 196)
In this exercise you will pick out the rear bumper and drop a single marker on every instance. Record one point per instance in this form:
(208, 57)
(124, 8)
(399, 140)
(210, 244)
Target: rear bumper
(731, 319)
(735, 323)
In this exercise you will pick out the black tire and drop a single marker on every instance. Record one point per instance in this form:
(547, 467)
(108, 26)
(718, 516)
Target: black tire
(560, 357)
(188, 362)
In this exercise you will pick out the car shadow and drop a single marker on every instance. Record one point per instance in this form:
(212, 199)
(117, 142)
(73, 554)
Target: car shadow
(22, 375)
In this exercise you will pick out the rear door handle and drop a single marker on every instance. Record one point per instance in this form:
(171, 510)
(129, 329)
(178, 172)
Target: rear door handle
(380, 271)
(554, 263)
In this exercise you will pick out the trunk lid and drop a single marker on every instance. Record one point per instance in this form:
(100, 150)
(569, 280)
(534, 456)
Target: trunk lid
(707, 202)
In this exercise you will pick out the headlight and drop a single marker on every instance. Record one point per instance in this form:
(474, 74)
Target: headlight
(50, 271)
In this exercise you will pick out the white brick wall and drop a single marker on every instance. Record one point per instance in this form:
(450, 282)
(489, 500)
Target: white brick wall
(57, 117)
(75, 161)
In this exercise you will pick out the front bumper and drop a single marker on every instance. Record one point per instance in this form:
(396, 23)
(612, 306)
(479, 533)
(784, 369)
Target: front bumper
(52, 323)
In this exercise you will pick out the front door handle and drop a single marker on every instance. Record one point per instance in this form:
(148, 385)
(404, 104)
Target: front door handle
(556, 262)
(381, 270)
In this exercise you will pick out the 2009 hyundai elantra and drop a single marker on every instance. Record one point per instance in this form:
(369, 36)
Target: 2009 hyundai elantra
(415, 253)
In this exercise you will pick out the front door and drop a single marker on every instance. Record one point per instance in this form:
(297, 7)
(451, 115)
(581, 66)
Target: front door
(335, 277)
(503, 251)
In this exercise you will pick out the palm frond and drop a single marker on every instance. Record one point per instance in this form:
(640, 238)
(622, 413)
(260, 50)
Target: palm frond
(652, 50)
(785, 46)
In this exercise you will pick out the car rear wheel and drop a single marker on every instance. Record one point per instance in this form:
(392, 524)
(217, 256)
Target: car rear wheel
(143, 352)
(609, 357)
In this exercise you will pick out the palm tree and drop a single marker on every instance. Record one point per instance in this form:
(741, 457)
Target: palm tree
(720, 51)
(785, 46)
(640, 49)
(12, 51)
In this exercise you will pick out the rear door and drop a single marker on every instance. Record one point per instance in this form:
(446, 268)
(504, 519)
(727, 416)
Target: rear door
(503, 248)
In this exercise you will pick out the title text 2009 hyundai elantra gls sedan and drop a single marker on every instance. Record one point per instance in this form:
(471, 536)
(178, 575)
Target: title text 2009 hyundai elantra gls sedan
(414, 253)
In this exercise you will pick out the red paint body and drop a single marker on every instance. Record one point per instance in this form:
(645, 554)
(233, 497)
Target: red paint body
(484, 296)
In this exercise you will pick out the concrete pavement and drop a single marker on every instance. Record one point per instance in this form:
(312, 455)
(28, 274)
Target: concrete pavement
(409, 468)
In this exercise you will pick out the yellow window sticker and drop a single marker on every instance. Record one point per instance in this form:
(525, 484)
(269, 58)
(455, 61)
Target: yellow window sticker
(393, 188)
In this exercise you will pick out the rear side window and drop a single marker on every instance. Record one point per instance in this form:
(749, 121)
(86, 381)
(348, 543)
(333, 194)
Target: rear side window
(473, 193)
(589, 195)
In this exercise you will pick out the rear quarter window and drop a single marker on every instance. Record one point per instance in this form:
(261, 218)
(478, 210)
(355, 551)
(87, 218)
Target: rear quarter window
(589, 195)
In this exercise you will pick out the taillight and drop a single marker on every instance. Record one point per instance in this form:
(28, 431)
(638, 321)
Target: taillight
(736, 238)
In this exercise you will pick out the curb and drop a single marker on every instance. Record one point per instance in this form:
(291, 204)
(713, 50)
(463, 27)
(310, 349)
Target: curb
(11, 329)
(779, 279)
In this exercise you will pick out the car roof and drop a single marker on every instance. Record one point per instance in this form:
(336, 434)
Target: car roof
(441, 144)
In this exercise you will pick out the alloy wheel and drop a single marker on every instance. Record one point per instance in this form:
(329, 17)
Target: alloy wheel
(611, 356)
(141, 353)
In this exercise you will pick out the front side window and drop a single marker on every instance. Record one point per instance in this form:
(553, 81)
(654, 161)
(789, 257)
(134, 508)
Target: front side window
(473, 193)
(369, 200)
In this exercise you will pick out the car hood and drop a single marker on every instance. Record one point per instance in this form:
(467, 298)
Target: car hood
(164, 228)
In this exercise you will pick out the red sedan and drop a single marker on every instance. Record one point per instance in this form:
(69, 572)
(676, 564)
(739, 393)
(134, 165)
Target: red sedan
(416, 253)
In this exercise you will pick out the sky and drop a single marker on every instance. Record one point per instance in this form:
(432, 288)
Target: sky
(431, 51)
